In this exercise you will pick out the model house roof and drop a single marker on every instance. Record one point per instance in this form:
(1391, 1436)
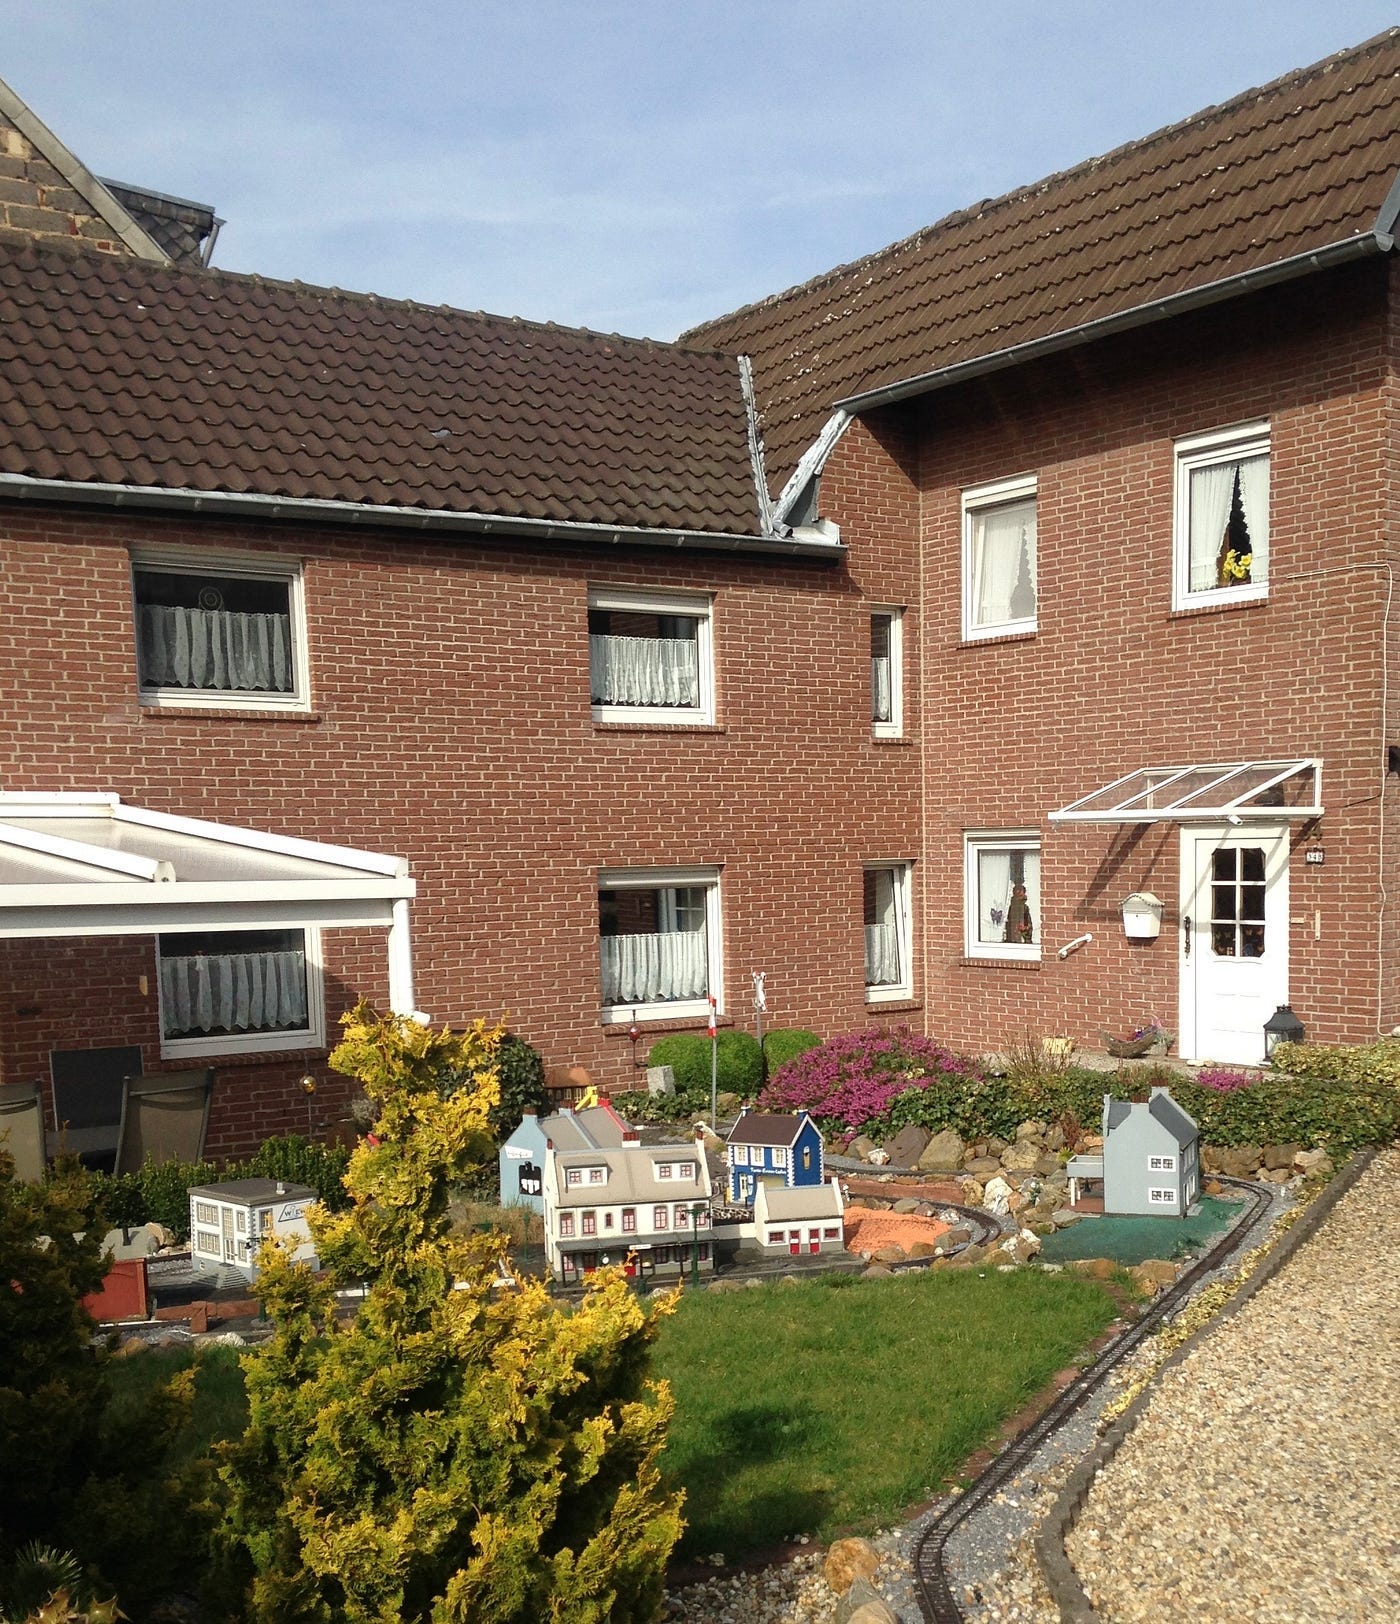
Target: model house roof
(1249, 187)
(632, 1176)
(804, 1201)
(116, 372)
(597, 1127)
(765, 1128)
(1161, 1107)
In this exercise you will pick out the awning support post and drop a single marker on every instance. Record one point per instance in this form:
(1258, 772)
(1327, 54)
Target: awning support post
(400, 961)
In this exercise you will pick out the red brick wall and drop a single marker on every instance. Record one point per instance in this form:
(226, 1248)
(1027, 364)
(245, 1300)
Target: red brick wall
(1114, 680)
(451, 725)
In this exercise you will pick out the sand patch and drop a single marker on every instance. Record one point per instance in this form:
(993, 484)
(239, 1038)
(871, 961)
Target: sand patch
(868, 1229)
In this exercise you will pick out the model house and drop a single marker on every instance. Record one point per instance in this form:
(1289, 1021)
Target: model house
(884, 637)
(773, 1148)
(799, 1220)
(1150, 1161)
(522, 1155)
(229, 1221)
(645, 1207)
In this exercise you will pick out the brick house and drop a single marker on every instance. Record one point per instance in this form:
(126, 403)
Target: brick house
(810, 645)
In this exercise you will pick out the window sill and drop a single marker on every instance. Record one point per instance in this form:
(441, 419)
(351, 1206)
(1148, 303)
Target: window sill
(901, 741)
(893, 1006)
(996, 639)
(1211, 606)
(967, 963)
(600, 726)
(254, 1057)
(220, 713)
(650, 1024)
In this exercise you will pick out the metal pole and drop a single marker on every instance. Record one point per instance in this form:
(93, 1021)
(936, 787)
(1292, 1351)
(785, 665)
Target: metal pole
(695, 1246)
(714, 1071)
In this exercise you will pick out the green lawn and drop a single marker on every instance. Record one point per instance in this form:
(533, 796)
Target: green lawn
(808, 1408)
(823, 1407)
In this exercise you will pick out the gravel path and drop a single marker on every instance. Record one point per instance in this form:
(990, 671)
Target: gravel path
(1263, 1481)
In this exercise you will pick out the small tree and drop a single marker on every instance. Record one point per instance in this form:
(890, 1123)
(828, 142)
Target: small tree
(456, 1453)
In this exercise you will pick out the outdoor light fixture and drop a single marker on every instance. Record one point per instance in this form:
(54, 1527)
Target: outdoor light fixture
(1283, 1026)
(635, 1033)
(695, 1212)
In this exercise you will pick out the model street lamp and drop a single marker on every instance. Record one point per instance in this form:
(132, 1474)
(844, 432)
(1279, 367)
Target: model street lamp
(695, 1213)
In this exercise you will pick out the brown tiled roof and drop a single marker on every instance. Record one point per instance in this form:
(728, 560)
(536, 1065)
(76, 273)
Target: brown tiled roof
(1304, 163)
(764, 1128)
(117, 371)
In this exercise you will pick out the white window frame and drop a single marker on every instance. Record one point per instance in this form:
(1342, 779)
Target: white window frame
(902, 990)
(979, 500)
(1158, 1197)
(894, 727)
(662, 879)
(695, 606)
(1161, 1164)
(997, 840)
(247, 566)
(312, 1036)
(1200, 451)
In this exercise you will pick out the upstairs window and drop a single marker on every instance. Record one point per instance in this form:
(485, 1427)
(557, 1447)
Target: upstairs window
(223, 991)
(1221, 552)
(658, 938)
(216, 631)
(650, 658)
(886, 673)
(887, 936)
(1003, 896)
(999, 559)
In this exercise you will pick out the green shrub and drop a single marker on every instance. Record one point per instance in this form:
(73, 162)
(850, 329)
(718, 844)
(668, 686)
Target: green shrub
(740, 1064)
(688, 1057)
(520, 1072)
(298, 1161)
(1339, 1063)
(785, 1043)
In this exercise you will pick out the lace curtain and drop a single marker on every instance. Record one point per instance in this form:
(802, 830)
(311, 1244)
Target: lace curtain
(654, 969)
(233, 992)
(1212, 493)
(880, 689)
(1003, 564)
(881, 956)
(214, 648)
(644, 670)
(995, 887)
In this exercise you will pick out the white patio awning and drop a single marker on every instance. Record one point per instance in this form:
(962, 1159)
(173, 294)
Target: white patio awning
(77, 864)
(1218, 792)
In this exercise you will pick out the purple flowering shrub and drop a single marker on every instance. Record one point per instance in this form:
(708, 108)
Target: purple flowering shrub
(1225, 1080)
(853, 1082)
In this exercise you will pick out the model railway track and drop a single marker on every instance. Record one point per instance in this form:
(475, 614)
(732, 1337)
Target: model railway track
(932, 1585)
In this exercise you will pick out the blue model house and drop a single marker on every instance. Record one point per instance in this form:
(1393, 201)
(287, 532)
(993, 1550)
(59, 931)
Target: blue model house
(1150, 1161)
(777, 1150)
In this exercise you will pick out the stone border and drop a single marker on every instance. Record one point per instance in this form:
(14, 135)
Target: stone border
(1049, 1540)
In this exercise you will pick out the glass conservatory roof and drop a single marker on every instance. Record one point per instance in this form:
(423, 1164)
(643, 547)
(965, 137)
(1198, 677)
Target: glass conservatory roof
(1232, 791)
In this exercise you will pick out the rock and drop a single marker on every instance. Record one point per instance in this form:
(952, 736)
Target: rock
(970, 1256)
(1047, 1166)
(943, 1153)
(1147, 1286)
(1091, 1142)
(1022, 1156)
(995, 1147)
(1210, 1159)
(1055, 1138)
(907, 1146)
(1157, 1269)
(1094, 1268)
(878, 1158)
(128, 1346)
(972, 1194)
(945, 1190)
(1031, 1130)
(860, 1147)
(162, 1236)
(1277, 1175)
(888, 1254)
(907, 1204)
(1021, 1247)
(1063, 1217)
(848, 1560)
(1240, 1161)
(1214, 1187)
(922, 1249)
(1313, 1161)
(863, 1604)
(984, 1167)
(996, 1198)
(960, 1235)
(1276, 1156)
(875, 1271)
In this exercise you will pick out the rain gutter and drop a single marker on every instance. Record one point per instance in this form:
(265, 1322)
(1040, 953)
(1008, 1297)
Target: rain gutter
(1375, 241)
(312, 510)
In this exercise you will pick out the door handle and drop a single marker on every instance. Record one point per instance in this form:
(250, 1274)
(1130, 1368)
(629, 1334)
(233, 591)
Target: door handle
(1186, 926)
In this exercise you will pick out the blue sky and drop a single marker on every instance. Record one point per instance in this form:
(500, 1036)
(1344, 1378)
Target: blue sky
(629, 167)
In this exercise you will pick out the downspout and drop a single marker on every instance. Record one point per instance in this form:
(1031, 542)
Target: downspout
(400, 961)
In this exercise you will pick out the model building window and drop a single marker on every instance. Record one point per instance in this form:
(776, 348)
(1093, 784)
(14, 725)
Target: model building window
(629, 1220)
(658, 937)
(1003, 896)
(1161, 1164)
(660, 1218)
(590, 1223)
(999, 559)
(1222, 517)
(566, 1223)
(650, 658)
(210, 632)
(886, 674)
(229, 990)
(887, 937)
(1161, 1198)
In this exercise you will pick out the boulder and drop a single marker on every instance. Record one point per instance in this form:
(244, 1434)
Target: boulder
(1047, 1166)
(863, 1604)
(888, 1254)
(1158, 1270)
(1210, 1159)
(1022, 1246)
(1145, 1283)
(960, 1235)
(875, 1271)
(1214, 1187)
(848, 1560)
(943, 1153)
(1055, 1138)
(996, 1198)
(1031, 1130)
(972, 1194)
(995, 1147)
(922, 1249)
(878, 1158)
(983, 1167)
(1313, 1161)
(970, 1256)
(1063, 1217)
(1276, 1156)
(908, 1203)
(860, 1147)
(1241, 1161)
(1022, 1156)
(1094, 1268)
(907, 1146)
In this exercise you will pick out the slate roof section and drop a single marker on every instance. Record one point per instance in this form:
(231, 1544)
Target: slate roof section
(114, 371)
(1301, 164)
(631, 1177)
(184, 229)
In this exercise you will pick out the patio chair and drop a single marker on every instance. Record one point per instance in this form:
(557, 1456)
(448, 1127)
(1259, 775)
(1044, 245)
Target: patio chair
(88, 1085)
(164, 1118)
(22, 1129)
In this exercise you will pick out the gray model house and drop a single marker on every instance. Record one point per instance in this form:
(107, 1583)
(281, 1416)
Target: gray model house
(521, 1157)
(800, 1220)
(1150, 1162)
(230, 1221)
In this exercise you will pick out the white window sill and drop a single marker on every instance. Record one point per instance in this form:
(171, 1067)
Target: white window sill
(651, 716)
(687, 1010)
(1012, 628)
(241, 699)
(983, 954)
(236, 1043)
(888, 995)
(1225, 597)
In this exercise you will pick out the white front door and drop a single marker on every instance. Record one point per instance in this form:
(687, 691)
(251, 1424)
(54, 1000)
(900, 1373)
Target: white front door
(1234, 938)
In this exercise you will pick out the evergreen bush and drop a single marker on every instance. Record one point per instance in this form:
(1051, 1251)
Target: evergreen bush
(785, 1043)
(738, 1065)
(520, 1072)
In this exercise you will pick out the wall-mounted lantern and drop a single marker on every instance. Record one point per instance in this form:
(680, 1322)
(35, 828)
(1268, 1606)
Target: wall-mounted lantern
(1142, 917)
(1283, 1026)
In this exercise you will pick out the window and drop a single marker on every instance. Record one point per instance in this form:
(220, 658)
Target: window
(1161, 1164)
(806, 1158)
(886, 673)
(887, 936)
(999, 558)
(660, 1218)
(741, 1155)
(597, 1175)
(1002, 889)
(1161, 1198)
(650, 658)
(629, 1220)
(659, 942)
(685, 1170)
(780, 1158)
(664, 1170)
(831, 1234)
(1221, 536)
(573, 1176)
(566, 1223)
(218, 629)
(205, 1213)
(607, 1220)
(590, 1223)
(222, 991)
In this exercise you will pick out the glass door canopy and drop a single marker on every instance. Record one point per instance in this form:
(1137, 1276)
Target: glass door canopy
(1231, 792)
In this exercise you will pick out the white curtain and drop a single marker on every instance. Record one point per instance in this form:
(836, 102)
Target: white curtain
(881, 955)
(993, 894)
(654, 969)
(644, 670)
(1254, 498)
(214, 648)
(1212, 490)
(234, 992)
(1003, 558)
(880, 689)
